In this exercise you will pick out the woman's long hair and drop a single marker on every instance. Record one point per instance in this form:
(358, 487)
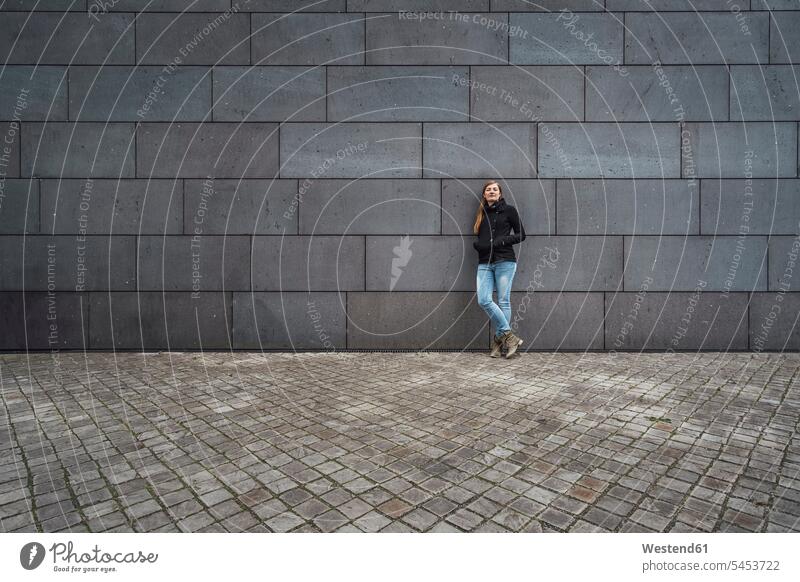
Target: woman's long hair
(479, 215)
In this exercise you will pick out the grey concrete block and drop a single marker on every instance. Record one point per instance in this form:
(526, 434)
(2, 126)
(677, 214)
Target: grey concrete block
(19, 206)
(154, 320)
(569, 263)
(750, 206)
(67, 263)
(353, 150)
(139, 94)
(50, 38)
(774, 5)
(292, 5)
(773, 322)
(112, 206)
(783, 253)
(764, 93)
(628, 207)
(567, 39)
(289, 321)
(164, 5)
(453, 38)
(269, 94)
(219, 38)
(677, 263)
(739, 150)
(416, 5)
(535, 200)
(78, 150)
(54, 5)
(398, 93)
(673, 93)
(240, 207)
(33, 93)
(609, 150)
(526, 94)
(9, 149)
(43, 321)
(219, 150)
(676, 321)
(370, 207)
(668, 5)
(308, 263)
(545, 5)
(194, 263)
(558, 321)
(476, 150)
(416, 320)
(696, 38)
(420, 263)
(308, 39)
(784, 46)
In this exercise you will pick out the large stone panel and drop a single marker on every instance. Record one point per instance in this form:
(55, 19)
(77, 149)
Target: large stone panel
(676, 321)
(370, 207)
(565, 38)
(696, 38)
(628, 207)
(558, 321)
(760, 206)
(420, 263)
(156, 321)
(477, 150)
(398, 93)
(67, 263)
(240, 206)
(609, 150)
(416, 320)
(78, 150)
(739, 150)
(451, 38)
(308, 263)
(765, 93)
(526, 93)
(308, 39)
(112, 206)
(774, 322)
(194, 263)
(216, 38)
(50, 38)
(677, 263)
(31, 93)
(218, 150)
(44, 321)
(353, 150)
(139, 94)
(269, 94)
(289, 321)
(569, 263)
(19, 206)
(644, 93)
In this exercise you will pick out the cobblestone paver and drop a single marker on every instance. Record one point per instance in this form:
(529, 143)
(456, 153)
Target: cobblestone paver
(399, 442)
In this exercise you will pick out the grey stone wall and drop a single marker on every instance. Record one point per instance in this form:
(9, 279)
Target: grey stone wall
(275, 174)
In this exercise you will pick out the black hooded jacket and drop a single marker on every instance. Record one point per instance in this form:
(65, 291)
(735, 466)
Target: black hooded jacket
(494, 241)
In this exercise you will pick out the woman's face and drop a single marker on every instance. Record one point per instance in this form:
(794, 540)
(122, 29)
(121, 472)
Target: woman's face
(492, 193)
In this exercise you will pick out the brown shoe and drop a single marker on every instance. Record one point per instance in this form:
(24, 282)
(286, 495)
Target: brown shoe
(512, 342)
(497, 347)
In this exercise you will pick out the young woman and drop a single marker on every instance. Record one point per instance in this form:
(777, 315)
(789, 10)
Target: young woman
(497, 263)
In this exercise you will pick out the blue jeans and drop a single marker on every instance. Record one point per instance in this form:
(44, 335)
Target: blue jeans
(491, 277)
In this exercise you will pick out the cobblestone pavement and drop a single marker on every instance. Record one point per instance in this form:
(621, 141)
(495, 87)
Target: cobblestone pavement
(399, 442)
